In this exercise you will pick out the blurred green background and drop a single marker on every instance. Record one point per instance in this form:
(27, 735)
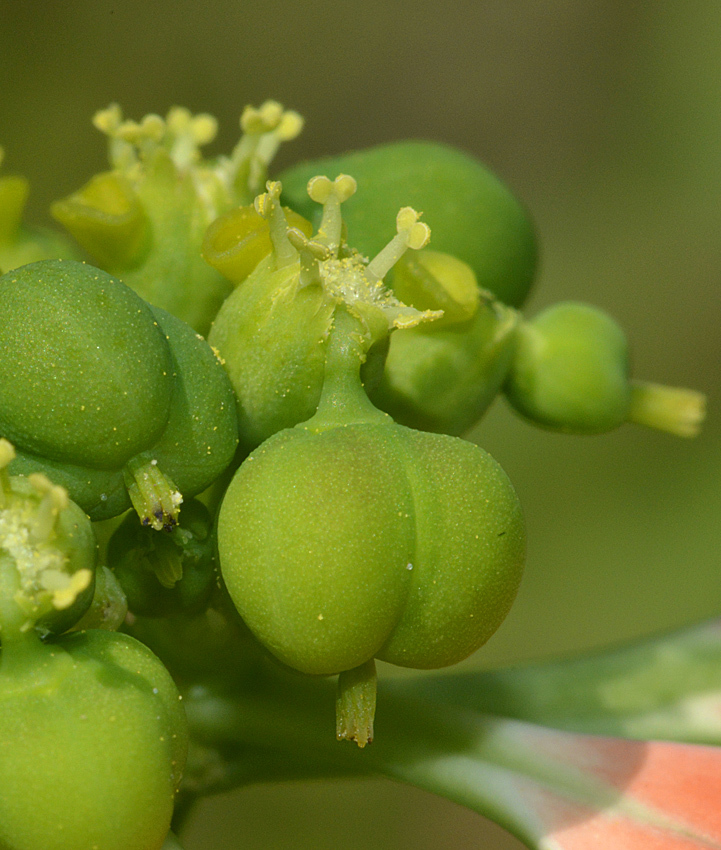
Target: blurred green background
(605, 118)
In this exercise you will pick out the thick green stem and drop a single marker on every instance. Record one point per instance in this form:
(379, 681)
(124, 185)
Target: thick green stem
(470, 758)
(343, 400)
(551, 788)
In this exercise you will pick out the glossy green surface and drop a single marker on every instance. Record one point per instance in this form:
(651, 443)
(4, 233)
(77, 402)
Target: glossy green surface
(472, 215)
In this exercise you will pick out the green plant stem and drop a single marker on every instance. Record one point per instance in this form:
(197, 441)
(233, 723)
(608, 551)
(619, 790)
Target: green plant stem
(418, 743)
(343, 400)
(536, 782)
(438, 733)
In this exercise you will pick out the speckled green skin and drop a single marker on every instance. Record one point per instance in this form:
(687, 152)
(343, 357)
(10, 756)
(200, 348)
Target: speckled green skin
(370, 540)
(472, 215)
(201, 435)
(570, 371)
(91, 376)
(271, 338)
(444, 378)
(93, 740)
(85, 373)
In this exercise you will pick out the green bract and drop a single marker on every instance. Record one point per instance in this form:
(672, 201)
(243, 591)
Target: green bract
(113, 400)
(236, 242)
(92, 744)
(349, 538)
(473, 216)
(144, 220)
(571, 373)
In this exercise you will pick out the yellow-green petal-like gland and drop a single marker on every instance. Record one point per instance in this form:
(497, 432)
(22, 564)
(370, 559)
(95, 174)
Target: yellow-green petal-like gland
(92, 747)
(20, 245)
(470, 212)
(370, 540)
(85, 372)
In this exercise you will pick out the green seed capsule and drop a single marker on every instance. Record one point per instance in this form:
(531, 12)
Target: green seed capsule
(93, 741)
(349, 537)
(473, 216)
(370, 541)
(442, 376)
(112, 400)
(85, 374)
(571, 373)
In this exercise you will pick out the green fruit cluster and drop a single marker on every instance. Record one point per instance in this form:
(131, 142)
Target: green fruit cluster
(340, 518)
